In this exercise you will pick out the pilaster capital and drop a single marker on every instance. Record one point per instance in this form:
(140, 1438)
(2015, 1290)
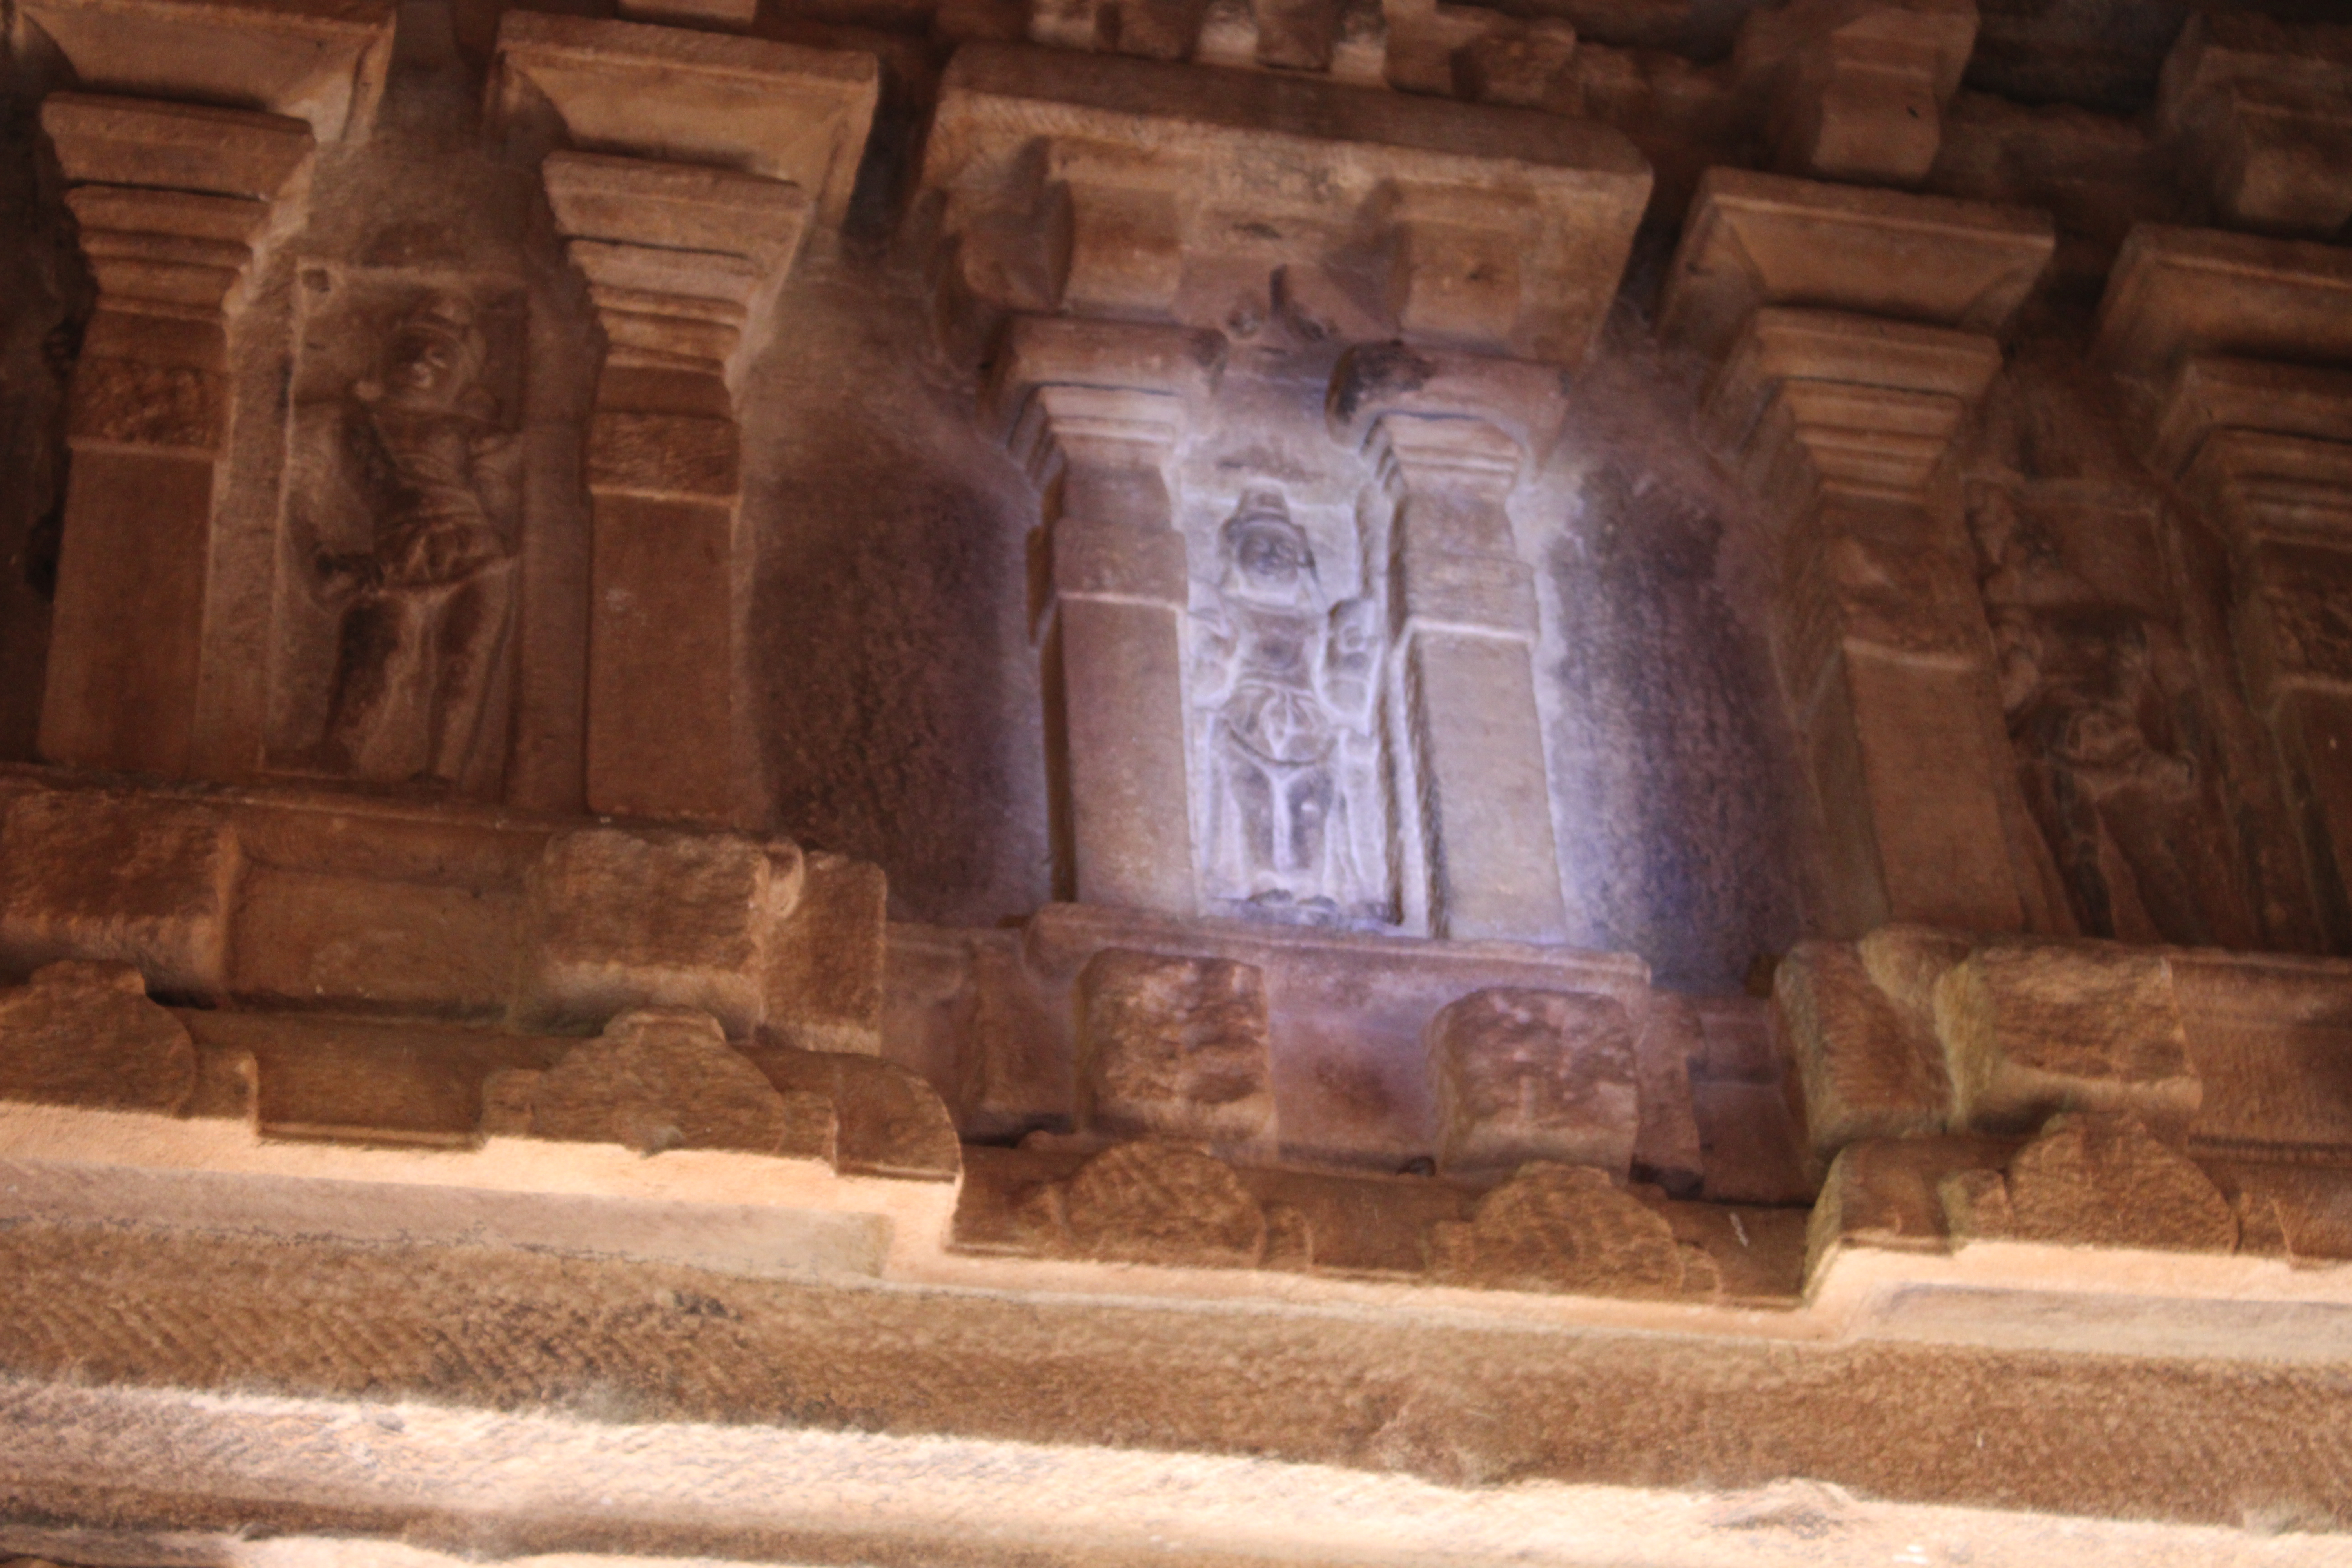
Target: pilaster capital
(778, 112)
(1093, 184)
(2180, 291)
(2257, 108)
(1756, 240)
(683, 262)
(319, 61)
(1438, 419)
(1814, 403)
(176, 202)
(1110, 394)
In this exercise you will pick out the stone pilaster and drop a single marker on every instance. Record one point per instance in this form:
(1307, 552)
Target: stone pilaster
(177, 204)
(682, 264)
(2265, 449)
(1448, 439)
(687, 169)
(1094, 412)
(1842, 421)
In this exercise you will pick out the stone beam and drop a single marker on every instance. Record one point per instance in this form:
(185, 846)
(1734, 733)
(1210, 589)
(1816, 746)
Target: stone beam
(1094, 412)
(177, 204)
(688, 172)
(1852, 333)
(1449, 437)
(1095, 183)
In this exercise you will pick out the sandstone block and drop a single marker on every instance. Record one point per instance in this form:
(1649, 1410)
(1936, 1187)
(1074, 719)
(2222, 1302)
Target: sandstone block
(307, 938)
(620, 918)
(132, 879)
(824, 958)
(666, 1078)
(1666, 1147)
(1176, 1046)
(1870, 1065)
(2030, 1028)
(888, 1120)
(85, 1035)
(1563, 1228)
(1535, 1075)
(2263, 112)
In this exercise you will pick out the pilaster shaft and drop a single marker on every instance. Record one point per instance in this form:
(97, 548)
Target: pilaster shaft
(176, 203)
(1096, 412)
(683, 264)
(1840, 423)
(1466, 610)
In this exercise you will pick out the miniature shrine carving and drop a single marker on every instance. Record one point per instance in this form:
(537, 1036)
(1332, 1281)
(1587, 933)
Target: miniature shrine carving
(1286, 680)
(425, 594)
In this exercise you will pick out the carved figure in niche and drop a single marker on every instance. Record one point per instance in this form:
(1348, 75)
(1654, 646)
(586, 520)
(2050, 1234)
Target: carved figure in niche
(2108, 754)
(425, 612)
(1287, 681)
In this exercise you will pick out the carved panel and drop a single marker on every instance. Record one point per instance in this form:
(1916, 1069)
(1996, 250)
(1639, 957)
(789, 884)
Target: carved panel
(1286, 687)
(399, 550)
(2109, 735)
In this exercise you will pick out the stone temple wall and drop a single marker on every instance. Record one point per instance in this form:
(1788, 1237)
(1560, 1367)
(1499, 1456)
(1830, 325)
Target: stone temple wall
(771, 757)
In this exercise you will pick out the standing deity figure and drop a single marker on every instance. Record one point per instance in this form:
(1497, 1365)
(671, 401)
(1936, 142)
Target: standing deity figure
(1285, 683)
(426, 610)
(2108, 762)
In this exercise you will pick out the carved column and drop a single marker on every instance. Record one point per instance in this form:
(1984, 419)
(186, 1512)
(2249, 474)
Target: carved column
(1463, 606)
(176, 203)
(1842, 421)
(681, 264)
(685, 170)
(2266, 447)
(1094, 412)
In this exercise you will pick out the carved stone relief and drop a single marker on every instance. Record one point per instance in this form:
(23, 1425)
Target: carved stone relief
(2109, 739)
(1286, 685)
(401, 541)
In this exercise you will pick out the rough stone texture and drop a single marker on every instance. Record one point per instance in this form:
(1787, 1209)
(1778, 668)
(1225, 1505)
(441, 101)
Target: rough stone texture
(620, 916)
(114, 877)
(665, 1078)
(1149, 1202)
(85, 1034)
(1174, 1046)
(1870, 1066)
(1533, 1075)
(2095, 1182)
(1560, 1227)
(2028, 1029)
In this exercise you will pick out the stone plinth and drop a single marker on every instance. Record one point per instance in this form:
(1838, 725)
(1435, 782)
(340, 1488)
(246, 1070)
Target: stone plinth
(291, 900)
(689, 170)
(1095, 183)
